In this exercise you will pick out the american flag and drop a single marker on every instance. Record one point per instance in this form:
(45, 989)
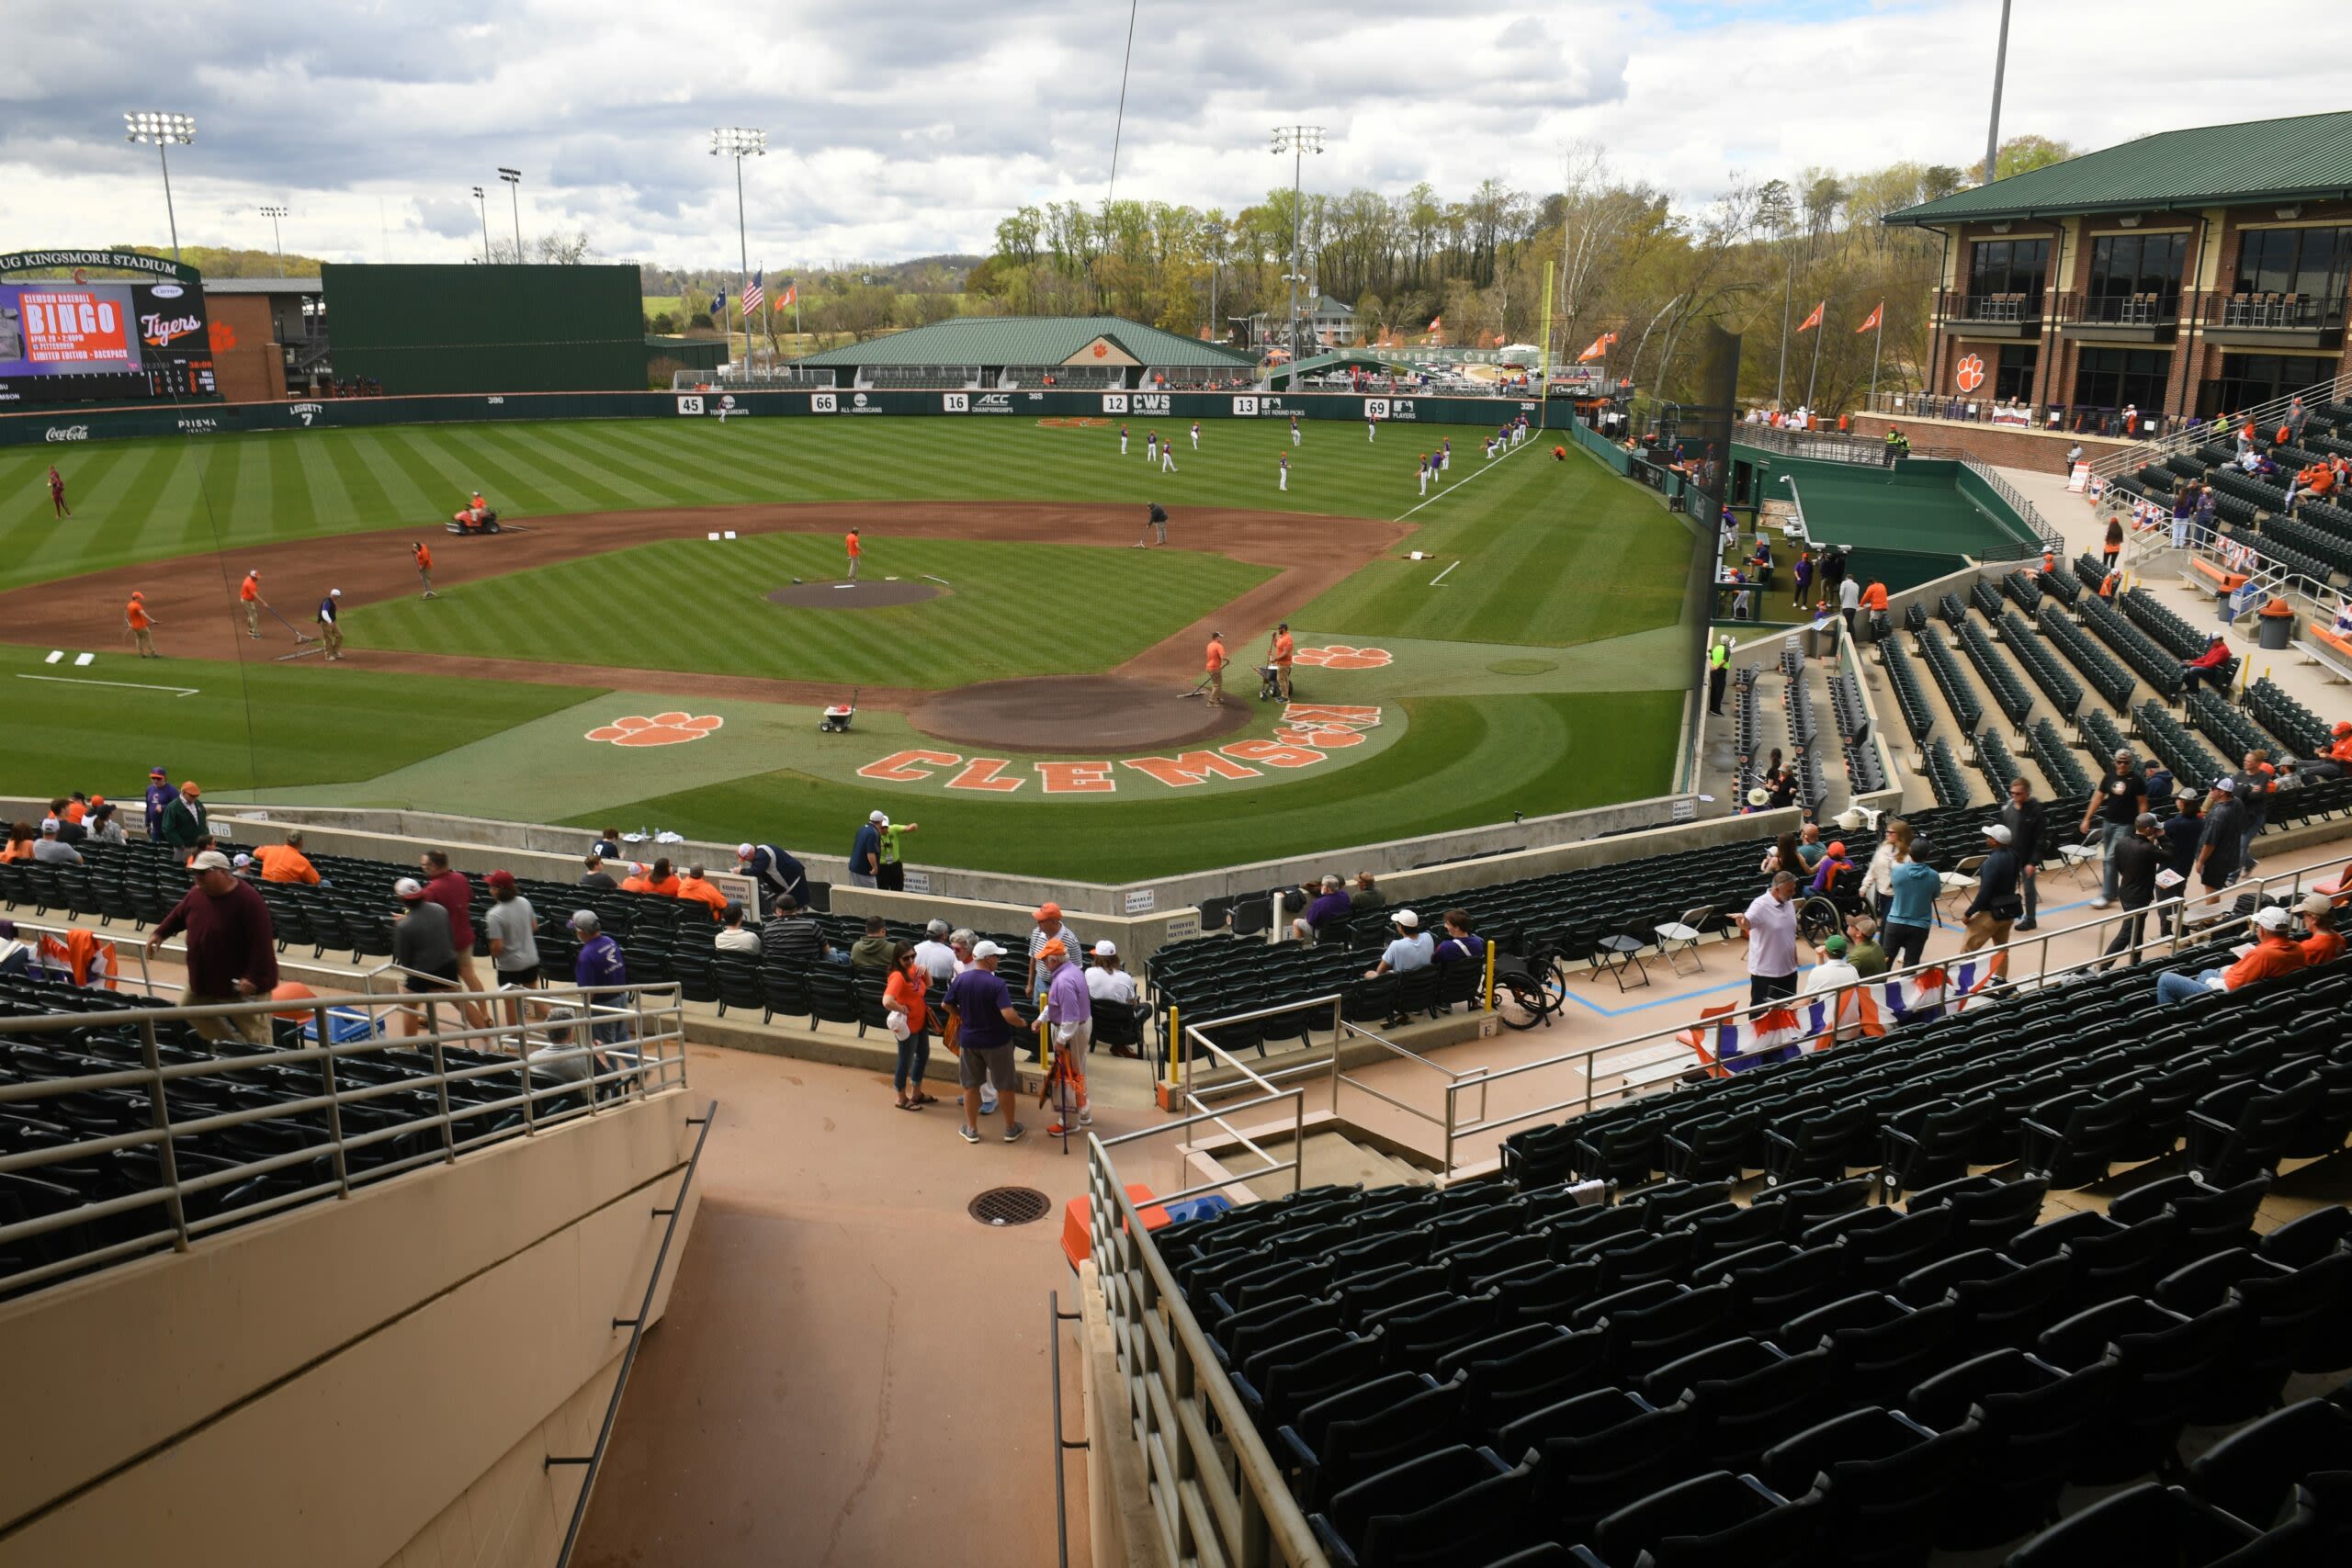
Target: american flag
(753, 296)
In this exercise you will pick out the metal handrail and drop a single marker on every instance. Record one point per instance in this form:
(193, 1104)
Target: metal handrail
(594, 1458)
(2139, 454)
(1056, 1317)
(2049, 537)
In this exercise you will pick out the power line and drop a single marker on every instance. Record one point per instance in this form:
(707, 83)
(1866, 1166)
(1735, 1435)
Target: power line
(1119, 126)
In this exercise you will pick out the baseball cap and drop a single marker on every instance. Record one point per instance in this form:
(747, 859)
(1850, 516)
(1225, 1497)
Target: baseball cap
(1053, 950)
(1838, 848)
(938, 931)
(1997, 833)
(1105, 948)
(1406, 918)
(500, 879)
(986, 950)
(1835, 947)
(1049, 910)
(242, 860)
(2315, 904)
(2145, 819)
(189, 786)
(584, 920)
(2225, 786)
(742, 852)
(409, 887)
(157, 773)
(878, 819)
(2272, 919)
(136, 594)
(210, 860)
(335, 592)
(48, 824)
(2343, 727)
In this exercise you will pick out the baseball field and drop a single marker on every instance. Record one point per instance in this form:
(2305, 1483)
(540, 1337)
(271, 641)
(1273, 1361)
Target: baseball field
(653, 640)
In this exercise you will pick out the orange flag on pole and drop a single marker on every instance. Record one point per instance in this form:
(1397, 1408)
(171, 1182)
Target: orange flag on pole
(1875, 316)
(1598, 347)
(1815, 320)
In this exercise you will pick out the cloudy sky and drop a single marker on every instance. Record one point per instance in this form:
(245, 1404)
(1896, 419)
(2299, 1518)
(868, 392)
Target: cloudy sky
(909, 127)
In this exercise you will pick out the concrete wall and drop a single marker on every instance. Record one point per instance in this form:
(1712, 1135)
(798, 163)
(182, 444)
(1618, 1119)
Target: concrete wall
(315, 1389)
(2002, 445)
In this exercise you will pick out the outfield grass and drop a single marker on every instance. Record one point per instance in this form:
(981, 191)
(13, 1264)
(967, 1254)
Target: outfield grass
(1013, 609)
(246, 727)
(1461, 763)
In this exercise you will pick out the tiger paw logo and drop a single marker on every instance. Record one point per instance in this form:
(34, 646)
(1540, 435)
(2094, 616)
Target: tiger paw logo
(1324, 727)
(1340, 656)
(661, 729)
(1970, 372)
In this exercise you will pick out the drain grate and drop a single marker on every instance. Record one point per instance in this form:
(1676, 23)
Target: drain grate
(1010, 1206)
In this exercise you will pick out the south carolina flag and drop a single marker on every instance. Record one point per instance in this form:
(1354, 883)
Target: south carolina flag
(1874, 318)
(1815, 320)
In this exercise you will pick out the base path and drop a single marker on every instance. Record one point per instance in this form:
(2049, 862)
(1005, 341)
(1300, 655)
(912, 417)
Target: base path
(194, 598)
(1075, 714)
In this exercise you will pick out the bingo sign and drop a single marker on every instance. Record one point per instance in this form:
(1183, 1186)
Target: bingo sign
(69, 331)
(72, 342)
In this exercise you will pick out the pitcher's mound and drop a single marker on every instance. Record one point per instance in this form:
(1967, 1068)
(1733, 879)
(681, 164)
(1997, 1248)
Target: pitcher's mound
(1076, 714)
(863, 594)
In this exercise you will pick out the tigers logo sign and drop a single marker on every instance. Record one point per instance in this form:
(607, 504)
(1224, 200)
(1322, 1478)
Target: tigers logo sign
(1970, 372)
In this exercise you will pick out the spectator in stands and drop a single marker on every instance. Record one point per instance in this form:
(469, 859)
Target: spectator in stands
(1411, 949)
(2321, 943)
(450, 890)
(1849, 602)
(15, 956)
(21, 840)
(595, 876)
(2298, 417)
(700, 889)
(2161, 785)
(1770, 924)
(985, 1024)
(2206, 666)
(1784, 855)
(2023, 817)
(286, 863)
(2205, 514)
(599, 964)
(874, 951)
(231, 951)
(2111, 547)
(1802, 574)
(1809, 846)
(734, 936)
(2115, 806)
(1050, 927)
(421, 945)
(793, 936)
(2275, 952)
(203, 842)
(1831, 976)
(2337, 759)
(933, 955)
(907, 1010)
(69, 826)
(184, 820)
(1994, 909)
(513, 928)
(656, 878)
(2217, 845)
(1110, 988)
(774, 871)
(1330, 907)
(1874, 597)
(866, 852)
(1365, 896)
(2136, 860)
(1461, 944)
(1863, 948)
(1069, 1013)
(1878, 878)
(960, 942)
(159, 795)
(2315, 482)
(49, 851)
(1831, 866)
(105, 825)
(607, 845)
(2256, 785)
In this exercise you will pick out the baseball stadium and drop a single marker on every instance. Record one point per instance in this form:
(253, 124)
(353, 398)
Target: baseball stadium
(1476, 959)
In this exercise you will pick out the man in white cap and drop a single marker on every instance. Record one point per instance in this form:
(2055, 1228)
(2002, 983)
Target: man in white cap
(2218, 847)
(890, 874)
(423, 946)
(1112, 989)
(985, 1024)
(776, 874)
(330, 623)
(2275, 952)
(51, 850)
(1409, 949)
(2321, 943)
(231, 951)
(1998, 903)
(866, 852)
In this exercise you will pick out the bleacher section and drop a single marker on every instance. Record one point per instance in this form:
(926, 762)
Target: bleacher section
(2065, 693)
(2159, 668)
(2010, 692)
(1960, 692)
(1908, 698)
(1993, 759)
(2299, 729)
(2057, 762)
(1673, 1377)
(2190, 762)
(1863, 775)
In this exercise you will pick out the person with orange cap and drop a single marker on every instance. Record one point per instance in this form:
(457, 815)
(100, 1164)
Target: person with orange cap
(1069, 1016)
(1049, 928)
(183, 821)
(424, 554)
(135, 616)
(249, 595)
(1832, 864)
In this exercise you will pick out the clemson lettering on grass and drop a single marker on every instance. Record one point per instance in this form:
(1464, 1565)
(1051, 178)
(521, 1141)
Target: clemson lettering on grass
(1305, 734)
(908, 767)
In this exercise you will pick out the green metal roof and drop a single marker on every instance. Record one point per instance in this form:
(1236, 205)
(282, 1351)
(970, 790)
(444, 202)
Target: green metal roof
(1026, 340)
(2308, 157)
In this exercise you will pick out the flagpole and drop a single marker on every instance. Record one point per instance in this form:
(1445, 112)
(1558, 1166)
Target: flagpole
(1820, 330)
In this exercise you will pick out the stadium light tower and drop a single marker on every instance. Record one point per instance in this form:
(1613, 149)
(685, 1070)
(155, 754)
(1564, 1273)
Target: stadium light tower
(1298, 140)
(514, 179)
(740, 142)
(482, 204)
(163, 130)
(277, 239)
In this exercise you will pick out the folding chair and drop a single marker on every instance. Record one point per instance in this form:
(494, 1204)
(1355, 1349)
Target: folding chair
(1680, 937)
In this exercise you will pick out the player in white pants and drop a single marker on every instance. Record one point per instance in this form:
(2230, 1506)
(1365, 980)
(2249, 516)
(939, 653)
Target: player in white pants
(1370, 430)
(1150, 445)
(1283, 472)
(1293, 430)
(1168, 458)
(1123, 441)
(1196, 435)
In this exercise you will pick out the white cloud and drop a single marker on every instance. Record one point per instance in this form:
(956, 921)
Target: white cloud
(909, 128)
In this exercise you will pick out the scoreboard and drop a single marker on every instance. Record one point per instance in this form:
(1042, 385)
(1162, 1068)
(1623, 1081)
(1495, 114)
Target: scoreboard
(78, 342)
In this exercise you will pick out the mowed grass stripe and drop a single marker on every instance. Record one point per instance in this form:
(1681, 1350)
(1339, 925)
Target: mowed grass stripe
(595, 468)
(690, 604)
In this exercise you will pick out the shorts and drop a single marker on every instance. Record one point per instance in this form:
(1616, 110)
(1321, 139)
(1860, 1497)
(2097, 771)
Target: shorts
(528, 976)
(992, 1064)
(444, 978)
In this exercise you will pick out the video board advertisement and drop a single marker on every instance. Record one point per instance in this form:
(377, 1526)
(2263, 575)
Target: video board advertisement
(69, 342)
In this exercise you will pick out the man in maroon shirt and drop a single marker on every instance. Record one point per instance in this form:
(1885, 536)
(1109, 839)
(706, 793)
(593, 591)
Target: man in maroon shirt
(451, 890)
(231, 951)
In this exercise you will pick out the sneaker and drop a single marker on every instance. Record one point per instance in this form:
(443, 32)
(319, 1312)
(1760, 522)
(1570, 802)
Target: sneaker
(1014, 1137)
(2101, 902)
(970, 1134)
(2027, 926)
(1086, 1117)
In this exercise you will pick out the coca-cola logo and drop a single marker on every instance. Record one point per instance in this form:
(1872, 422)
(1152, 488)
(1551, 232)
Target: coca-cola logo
(161, 330)
(68, 433)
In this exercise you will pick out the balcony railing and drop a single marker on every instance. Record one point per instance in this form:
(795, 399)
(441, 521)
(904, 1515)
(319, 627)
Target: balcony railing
(2119, 309)
(2277, 313)
(1989, 309)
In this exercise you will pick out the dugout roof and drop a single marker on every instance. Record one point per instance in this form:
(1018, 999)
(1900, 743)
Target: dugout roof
(2305, 158)
(1031, 340)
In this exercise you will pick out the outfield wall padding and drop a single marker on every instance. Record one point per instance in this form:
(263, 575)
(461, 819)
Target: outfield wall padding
(1138, 409)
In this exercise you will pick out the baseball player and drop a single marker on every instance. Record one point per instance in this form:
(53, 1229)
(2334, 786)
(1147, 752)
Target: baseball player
(1283, 472)
(1371, 428)
(1445, 455)
(1151, 445)
(1423, 471)
(249, 594)
(849, 541)
(1293, 430)
(1196, 435)
(424, 568)
(1167, 457)
(330, 623)
(135, 616)
(1123, 441)
(57, 492)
